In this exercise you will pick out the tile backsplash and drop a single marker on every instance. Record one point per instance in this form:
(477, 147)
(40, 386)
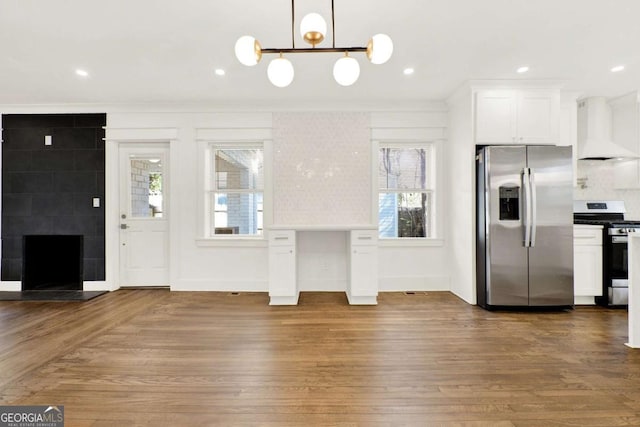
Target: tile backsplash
(322, 168)
(598, 180)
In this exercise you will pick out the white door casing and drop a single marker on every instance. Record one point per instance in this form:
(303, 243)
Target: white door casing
(144, 215)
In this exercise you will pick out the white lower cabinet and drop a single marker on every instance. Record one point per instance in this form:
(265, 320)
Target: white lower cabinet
(283, 287)
(363, 267)
(587, 263)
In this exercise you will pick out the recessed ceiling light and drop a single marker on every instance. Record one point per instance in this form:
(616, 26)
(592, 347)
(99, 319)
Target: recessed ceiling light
(219, 72)
(82, 73)
(617, 68)
(408, 71)
(522, 69)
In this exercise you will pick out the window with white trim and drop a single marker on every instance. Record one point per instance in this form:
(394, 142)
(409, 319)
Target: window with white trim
(406, 190)
(236, 189)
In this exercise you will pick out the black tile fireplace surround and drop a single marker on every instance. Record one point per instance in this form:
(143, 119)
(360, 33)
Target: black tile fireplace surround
(49, 189)
(52, 262)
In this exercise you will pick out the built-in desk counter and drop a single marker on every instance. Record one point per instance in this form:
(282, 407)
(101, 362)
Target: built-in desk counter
(361, 262)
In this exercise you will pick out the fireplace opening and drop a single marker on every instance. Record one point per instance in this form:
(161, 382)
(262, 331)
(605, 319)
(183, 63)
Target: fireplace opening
(52, 262)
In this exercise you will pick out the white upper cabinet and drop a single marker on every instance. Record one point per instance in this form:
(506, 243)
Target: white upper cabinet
(495, 116)
(517, 116)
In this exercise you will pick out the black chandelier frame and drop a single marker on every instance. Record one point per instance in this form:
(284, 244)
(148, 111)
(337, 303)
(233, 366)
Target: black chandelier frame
(332, 49)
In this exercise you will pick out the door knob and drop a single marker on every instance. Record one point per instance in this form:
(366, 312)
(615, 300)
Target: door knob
(123, 226)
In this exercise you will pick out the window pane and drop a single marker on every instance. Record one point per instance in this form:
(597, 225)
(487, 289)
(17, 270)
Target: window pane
(404, 215)
(221, 180)
(146, 188)
(237, 213)
(400, 168)
(239, 169)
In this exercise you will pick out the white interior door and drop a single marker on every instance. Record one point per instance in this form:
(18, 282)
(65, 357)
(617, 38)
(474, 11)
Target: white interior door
(144, 224)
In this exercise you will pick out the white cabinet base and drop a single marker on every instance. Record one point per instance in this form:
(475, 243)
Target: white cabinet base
(284, 300)
(582, 300)
(362, 300)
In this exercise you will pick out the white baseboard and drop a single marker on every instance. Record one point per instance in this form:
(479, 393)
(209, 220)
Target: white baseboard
(10, 286)
(415, 283)
(468, 299)
(220, 286)
(321, 285)
(99, 285)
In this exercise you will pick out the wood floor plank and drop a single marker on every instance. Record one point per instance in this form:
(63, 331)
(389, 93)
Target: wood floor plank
(153, 358)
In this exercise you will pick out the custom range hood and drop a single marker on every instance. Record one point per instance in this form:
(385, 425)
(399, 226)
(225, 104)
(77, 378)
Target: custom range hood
(595, 140)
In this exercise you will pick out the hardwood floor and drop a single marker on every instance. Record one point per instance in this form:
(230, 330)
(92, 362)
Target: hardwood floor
(160, 358)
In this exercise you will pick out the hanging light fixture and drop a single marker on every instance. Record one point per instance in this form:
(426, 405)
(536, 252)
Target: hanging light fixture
(313, 29)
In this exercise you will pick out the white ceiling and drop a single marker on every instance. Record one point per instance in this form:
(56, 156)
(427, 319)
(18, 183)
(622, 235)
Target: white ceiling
(160, 51)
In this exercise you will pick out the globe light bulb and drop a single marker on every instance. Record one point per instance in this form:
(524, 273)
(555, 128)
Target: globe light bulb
(313, 28)
(248, 50)
(346, 70)
(379, 49)
(280, 72)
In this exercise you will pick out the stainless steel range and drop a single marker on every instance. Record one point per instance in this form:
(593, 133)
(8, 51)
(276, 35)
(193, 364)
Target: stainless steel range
(610, 214)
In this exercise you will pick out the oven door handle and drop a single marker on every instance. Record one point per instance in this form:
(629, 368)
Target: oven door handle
(527, 207)
(619, 239)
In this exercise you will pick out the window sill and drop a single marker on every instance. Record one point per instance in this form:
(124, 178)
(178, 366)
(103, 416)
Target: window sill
(232, 242)
(408, 242)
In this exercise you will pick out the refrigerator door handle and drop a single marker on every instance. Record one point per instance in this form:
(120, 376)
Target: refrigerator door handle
(534, 207)
(527, 208)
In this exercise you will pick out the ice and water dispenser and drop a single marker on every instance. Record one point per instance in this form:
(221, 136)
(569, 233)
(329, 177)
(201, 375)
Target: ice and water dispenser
(509, 203)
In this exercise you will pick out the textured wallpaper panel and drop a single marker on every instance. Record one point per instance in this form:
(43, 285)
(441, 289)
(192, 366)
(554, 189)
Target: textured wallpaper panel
(322, 169)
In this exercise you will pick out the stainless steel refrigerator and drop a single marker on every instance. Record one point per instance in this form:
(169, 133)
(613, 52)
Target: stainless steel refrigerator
(524, 212)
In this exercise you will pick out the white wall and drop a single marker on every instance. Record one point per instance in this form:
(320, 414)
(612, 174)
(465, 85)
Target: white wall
(418, 265)
(199, 264)
(460, 208)
(227, 266)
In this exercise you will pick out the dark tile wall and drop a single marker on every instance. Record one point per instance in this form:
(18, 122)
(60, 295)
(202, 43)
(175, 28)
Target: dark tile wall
(50, 189)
